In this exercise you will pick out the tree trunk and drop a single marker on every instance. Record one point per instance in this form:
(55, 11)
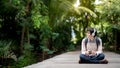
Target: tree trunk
(28, 8)
(115, 46)
(85, 25)
(22, 39)
(25, 27)
(28, 36)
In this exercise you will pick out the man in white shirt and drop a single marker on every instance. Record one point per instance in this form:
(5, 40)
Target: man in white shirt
(91, 48)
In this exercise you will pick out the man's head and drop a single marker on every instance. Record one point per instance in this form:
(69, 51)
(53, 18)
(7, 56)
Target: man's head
(91, 32)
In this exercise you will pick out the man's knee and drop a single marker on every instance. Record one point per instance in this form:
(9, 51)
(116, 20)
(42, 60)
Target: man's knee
(102, 56)
(82, 56)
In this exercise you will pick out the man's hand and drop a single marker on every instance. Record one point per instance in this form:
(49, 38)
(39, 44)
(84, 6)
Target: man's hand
(90, 53)
(87, 53)
(93, 53)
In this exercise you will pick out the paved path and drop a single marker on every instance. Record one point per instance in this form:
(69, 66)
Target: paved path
(70, 60)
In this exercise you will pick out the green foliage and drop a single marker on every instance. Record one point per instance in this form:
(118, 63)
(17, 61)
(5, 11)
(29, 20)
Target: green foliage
(110, 33)
(62, 42)
(45, 49)
(71, 47)
(6, 51)
(7, 56)
(66, 9)
(39, 14)
(111, 15)
(24, 60)
(48, 27)
(28, 48)
(111, 11)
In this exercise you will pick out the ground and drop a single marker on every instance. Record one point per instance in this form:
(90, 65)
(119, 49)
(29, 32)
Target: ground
(70, 60)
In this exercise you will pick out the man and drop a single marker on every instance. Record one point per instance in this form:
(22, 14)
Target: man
(91, 48)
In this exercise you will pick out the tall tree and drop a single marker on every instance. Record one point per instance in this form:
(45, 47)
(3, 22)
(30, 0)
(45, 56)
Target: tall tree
(112, 15)
(65, 10)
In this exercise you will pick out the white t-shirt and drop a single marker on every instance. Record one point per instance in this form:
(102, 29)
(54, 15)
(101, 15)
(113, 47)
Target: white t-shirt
(91, 45)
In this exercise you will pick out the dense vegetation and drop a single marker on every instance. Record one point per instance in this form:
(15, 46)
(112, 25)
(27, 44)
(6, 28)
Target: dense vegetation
(34, 30)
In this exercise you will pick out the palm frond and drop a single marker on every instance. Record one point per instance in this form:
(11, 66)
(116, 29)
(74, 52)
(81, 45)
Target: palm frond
(66, 8)
(87, 10)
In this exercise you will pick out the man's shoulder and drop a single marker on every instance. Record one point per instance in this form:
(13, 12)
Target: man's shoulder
(84, 38)
(98, 38)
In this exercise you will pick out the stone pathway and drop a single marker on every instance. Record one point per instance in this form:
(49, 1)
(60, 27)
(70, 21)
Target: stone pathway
(70, 60)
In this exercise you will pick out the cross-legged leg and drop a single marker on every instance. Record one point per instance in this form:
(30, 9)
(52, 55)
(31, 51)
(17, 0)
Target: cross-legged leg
(100, 56)
(91, 59)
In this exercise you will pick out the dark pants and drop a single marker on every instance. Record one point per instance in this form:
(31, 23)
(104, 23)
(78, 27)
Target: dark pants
(91, 59)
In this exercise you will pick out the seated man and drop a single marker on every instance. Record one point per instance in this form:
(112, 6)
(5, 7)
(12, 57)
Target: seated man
(91, 48)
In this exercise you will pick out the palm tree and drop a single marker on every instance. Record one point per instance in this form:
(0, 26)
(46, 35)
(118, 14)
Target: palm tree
(60, 11)
(65, 9)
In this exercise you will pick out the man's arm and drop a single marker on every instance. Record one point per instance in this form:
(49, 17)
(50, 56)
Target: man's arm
(83, 48)
(99, 47)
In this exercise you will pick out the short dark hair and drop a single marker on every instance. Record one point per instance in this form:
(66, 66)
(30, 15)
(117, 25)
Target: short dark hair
(92, 31)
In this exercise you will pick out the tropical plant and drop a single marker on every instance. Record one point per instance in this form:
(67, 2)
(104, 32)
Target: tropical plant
(7, 56)
(112, 15)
